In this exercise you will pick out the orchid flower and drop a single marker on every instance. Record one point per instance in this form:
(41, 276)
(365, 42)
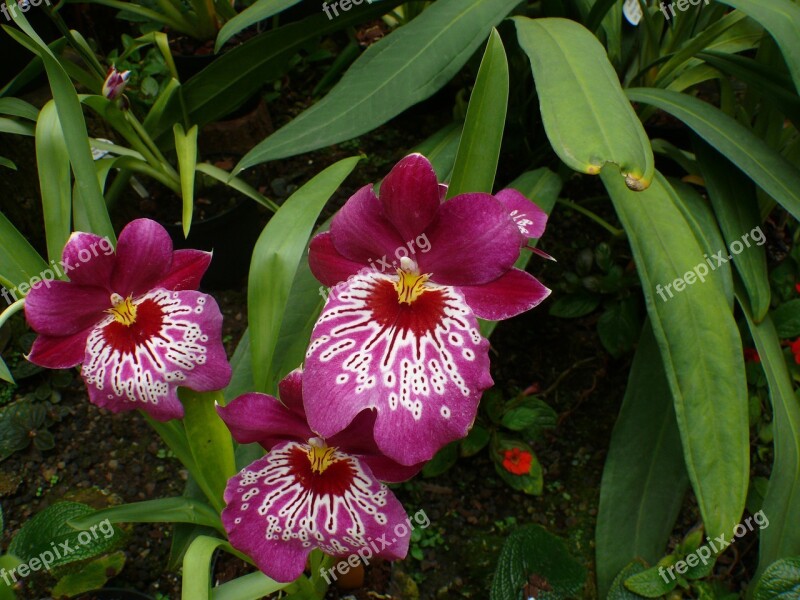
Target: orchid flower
(115, 83)
(132, 319)
(403, 339)
(309, 492)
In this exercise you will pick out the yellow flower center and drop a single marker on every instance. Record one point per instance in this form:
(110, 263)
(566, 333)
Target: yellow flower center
(410, 284)
(320, 455)
(123, 310)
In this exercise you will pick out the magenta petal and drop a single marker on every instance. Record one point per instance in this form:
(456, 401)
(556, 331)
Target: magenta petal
(279, 509)
(175, 341)
(144, 256)
(186, 271)
(261, 418)
(505, 297)
(59, 352)
(472, 241)
(290, 392)
(361, 232)
(422, 367)
(89, 259)
(59, 308)
(410, 196)
(530, 219)
(327, 264)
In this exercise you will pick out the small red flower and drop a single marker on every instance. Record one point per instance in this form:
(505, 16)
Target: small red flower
(795, 347)
(751, 355)
(797, 287)
(517, 461)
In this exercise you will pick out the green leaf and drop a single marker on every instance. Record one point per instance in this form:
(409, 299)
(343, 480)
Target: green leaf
(186, 149)
(91, 577)
(276, 258)
(618, 590)
(787, 319)
(18, 260)
(73, 126)
(734, 200)
(782, 500)
(8, 562)
(241, 368)
(771, 171)
(164, 510)
(256, 12)
(650, 584)
(781, 581)
(55, 180)
(782, 19)
(586, 116)
(441, 149)
(50, 527)
(19, 108)
(442, 461)
(236, 183)
(644, 478)
(210, 443)
(476, 440)
(532, 482)
(479, 148)
(532, 550)
(619, 326)
(700, 347)
(393, 74)
(574, 306)
(533, 415)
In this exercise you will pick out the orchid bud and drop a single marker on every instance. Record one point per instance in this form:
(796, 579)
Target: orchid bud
(115, 83)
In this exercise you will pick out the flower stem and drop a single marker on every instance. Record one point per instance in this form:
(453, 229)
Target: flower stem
(11, 311)
(617, 233)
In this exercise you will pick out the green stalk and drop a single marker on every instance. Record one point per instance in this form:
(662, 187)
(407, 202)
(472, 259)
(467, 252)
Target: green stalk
(617, 233)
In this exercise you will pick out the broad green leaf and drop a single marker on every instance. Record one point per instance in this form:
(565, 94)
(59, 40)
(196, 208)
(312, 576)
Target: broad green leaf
(403, 68)
(768, 169)
(16, 127)
(163, 510)
(786, 318)
(782, 19)
(73, 126)
(586, 116)
(734, 201)
(276, 257)
(18, 260)
(210, 443)
(781, 581)
(644, 478)
(479, 148)
(50, 526)
(92, 576)
(253, 585)
(257, 11)
(618, 590)
(55, 180)
(530, 550)
(575, 305)
(8, 562)
(782, 500)
(541, 187)
(618, 327)
(18, 108)
(442, 461)
(700, 348)
(186, 149)
(241, 369)
(650, 583)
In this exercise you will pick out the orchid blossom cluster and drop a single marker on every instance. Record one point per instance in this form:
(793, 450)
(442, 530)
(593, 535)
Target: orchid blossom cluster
(394, 371)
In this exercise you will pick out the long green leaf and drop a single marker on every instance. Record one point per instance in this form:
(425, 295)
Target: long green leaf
(257, 11)
(700, 347)
(275, 261)
(734, 200)
(479, 148)
(644, 478)
(400, 70)
(782, 500)
(18, 260)
(782, 19)
(186, 149)
(19, 108)
(163, 510)
(588, 120)
(55, 181)
(74, 127)
(768, 169)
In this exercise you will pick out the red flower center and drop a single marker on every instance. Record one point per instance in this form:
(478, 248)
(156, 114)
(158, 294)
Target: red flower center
(133, 324)
(412, 310)
(320, 471)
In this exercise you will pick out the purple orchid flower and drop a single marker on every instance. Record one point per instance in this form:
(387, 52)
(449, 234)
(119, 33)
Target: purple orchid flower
(403, 339)
(308, 492)
(133, 320)
(115, 83)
